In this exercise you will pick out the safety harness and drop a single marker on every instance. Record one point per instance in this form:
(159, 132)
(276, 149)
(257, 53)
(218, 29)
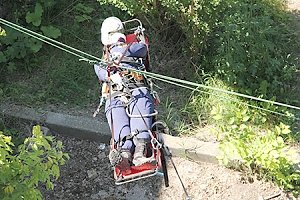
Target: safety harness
(120, 84)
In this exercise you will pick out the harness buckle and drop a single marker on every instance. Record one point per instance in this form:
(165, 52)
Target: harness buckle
(155, 144)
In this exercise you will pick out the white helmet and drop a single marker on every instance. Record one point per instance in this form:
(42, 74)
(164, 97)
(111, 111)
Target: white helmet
(117, 37)
(109, 26)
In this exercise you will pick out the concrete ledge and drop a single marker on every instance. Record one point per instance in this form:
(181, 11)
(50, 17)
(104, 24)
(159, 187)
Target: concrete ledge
(192, 148)
(73, 126)
(22, 113)
(79, 127)
(98, 130)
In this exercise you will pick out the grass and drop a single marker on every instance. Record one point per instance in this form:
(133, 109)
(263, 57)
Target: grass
(59, 78)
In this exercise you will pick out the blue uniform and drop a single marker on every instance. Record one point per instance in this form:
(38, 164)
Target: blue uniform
(141, 101)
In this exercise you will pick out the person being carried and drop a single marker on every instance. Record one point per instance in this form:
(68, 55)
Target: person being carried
(129, 107)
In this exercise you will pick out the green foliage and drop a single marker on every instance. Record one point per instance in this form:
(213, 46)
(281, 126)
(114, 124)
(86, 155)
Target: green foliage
(66, 82)
(78, 83)
(260, 152)
(194, 19)
(254, 43)
(249, 43)
(200, 104)
(16, 137)
(53, 76)
(250, 139)
(35, 17)
(24, 167)
(2, 32)
(83, 13)
(50, 31)
(174, 118)
(19, 48)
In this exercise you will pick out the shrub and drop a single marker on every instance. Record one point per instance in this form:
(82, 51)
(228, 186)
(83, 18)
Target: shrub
(254, 47)
(248, 43)
(194, 19)
(251, 140)
(260, 152)
(24, 167)
(18, 47)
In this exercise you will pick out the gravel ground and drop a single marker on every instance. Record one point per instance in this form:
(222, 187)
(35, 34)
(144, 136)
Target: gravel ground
(88, 176)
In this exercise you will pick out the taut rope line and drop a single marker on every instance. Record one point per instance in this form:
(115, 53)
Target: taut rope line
(167, 79)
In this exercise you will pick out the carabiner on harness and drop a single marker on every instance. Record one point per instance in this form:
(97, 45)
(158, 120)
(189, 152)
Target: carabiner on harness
(155, 143)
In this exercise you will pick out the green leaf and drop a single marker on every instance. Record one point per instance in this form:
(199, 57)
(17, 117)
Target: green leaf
(217, 117)
(2, 32)
(244, 111)
(238, 114)
(55, 170)
(36, 17)
(51, 31)
(246, 118)
(36, 131)
(35, 147)
(83, 8)
(286, 131)
(11, 52)
(59, 144)
(49, 185)
(82, 18)
(7, 139)
(3, 58)
(280, 140)
(9, 189)
(34, 45)
(264, 87)
(231, 120)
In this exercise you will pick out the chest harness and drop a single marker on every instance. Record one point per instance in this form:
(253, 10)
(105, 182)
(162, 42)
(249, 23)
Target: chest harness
(122, 82)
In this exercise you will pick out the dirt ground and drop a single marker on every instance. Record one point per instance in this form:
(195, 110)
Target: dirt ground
(88, 176)
(294, 4)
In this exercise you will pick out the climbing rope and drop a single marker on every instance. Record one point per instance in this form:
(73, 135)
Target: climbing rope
(227, 98)
(171, 80)
(197, 85)
(182, 83)
(51, 41)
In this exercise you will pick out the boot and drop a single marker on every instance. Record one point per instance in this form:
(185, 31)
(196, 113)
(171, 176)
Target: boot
(122, 159)
(140, 152)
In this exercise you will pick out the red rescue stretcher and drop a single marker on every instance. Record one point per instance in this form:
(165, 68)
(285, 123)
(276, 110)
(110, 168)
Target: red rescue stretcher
(157, 148)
